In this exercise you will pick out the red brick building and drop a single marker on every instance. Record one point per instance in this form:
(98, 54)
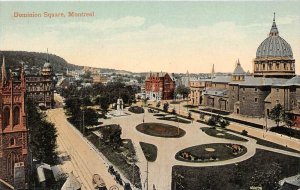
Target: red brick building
(159, 86)
(13, 131)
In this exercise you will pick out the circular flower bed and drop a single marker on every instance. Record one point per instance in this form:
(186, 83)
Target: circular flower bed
(211, 152)
(160, 130)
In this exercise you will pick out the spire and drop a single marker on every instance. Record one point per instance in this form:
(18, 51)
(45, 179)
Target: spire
(238, 62)
(274, 30)
(213, 71)
(47, 56)
(4, 74)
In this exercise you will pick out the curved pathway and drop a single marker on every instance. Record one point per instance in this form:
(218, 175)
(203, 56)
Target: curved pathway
(160, 171)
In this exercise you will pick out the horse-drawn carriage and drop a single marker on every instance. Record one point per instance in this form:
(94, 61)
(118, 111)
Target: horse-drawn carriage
(98, 182)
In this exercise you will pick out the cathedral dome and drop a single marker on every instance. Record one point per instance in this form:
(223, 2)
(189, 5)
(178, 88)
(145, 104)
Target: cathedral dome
(274, 45)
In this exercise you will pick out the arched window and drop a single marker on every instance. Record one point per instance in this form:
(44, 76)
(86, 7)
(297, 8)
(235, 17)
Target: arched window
(11, 160)
(12, 142)
(6, 117)
(16, 116)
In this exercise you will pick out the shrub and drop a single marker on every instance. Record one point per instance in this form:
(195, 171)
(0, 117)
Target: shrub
(174, 111)
(223, 123)
(190, 115)
(244, 132)
(166, 107)
(136, 109)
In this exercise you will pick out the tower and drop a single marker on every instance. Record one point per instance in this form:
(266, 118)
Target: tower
(13, 130)
(274, 56)
(213, 71)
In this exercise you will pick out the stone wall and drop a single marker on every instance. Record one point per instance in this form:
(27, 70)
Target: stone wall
(252, 100)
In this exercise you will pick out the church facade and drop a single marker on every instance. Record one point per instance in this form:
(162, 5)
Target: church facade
(13, 130)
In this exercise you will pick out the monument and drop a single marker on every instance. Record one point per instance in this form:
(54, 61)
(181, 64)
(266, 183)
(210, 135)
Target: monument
(120, 110)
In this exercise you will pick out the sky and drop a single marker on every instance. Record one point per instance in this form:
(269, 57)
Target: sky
(151, 36)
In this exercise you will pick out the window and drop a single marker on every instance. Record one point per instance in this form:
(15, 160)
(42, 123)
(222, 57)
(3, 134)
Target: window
(16, 116)
(6, 117)
(12, 142)
(255, 99)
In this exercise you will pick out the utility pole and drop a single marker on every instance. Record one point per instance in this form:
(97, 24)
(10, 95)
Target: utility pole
(147, 174)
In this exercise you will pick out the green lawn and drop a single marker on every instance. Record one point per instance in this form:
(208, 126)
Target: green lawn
(264, 170)
(160, 130)
(221, 134)
(149, 150)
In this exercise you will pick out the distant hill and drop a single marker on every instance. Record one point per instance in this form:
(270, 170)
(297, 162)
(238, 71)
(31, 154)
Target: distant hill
(13, 60)
(35, 59)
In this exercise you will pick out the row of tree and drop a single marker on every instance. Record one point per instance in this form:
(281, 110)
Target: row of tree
(98, 94)
(43, 134)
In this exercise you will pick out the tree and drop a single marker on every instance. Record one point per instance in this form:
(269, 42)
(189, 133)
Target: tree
(90, 117)
(166, 107)
(277, 114)
(104, 103)
(42, 133)
(183, 91)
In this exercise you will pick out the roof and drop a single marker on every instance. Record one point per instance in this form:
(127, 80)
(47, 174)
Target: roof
(293, 180)
(215, 92)
(221, 79)
(295, 81)
(287, 186)
(274, 45)
(47, 65)
(5, 186)
(71, 183)
(260, 81)
(238, 69)
(41, 173)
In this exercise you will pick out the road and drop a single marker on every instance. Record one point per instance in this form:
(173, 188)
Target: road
(85, 161)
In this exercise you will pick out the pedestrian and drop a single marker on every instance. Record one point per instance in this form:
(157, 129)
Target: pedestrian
(154, 187)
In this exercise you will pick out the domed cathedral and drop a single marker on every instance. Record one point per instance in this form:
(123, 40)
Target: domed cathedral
(274, 57)
(40, 88)
(13, 131)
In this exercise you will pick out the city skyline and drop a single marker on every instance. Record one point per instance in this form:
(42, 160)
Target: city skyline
(151, 36)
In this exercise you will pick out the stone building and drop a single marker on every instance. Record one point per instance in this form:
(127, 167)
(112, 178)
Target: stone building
(13, 130)
(273, 82)
(159, 86)
(197, 86)
(40, 87)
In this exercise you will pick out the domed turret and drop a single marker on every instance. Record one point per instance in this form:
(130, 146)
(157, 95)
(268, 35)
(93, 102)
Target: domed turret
(47, 68)
(238, 73)
(274, 56)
